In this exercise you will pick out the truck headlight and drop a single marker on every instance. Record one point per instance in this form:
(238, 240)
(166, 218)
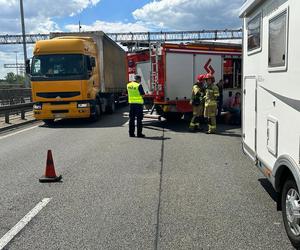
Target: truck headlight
(37, 106)
(83, 105)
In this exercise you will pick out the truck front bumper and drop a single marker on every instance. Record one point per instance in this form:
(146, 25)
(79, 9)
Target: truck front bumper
(43, 111)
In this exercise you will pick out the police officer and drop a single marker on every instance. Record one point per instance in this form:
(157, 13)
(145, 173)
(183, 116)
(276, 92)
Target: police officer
(197, 102)
(135, 98)
(211, 97)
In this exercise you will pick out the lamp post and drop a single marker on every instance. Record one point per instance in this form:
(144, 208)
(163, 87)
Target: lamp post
(24, 40)
(16, 62)
(79, 26)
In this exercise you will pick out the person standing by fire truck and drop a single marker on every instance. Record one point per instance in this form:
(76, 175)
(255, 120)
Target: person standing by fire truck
(135, 98)
(197, 102)
(211, 97)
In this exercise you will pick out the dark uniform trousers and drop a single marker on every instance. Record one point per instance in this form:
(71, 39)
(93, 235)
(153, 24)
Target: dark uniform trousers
(136, 111)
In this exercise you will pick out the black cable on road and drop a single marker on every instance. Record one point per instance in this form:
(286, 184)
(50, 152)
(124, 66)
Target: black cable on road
(157, 235)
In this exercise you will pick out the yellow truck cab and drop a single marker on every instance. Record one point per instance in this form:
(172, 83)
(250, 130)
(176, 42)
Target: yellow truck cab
(77, 75)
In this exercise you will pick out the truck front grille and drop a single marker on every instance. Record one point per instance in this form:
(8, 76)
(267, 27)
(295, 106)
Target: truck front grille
(60, 103)
(60, 111)
(58, 94)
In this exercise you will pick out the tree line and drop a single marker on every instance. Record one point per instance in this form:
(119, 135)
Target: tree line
(12, 79)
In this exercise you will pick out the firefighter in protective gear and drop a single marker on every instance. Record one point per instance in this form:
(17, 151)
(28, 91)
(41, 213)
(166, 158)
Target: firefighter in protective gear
(210, 107)
(197, 102)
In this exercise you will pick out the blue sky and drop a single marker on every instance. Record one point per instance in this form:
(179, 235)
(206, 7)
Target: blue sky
(108, 10)
(44, 16)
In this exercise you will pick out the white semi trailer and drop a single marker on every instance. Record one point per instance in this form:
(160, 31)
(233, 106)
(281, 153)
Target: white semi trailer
(271, 99)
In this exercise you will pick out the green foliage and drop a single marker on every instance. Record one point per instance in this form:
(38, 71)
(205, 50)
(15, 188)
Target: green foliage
(12, 78)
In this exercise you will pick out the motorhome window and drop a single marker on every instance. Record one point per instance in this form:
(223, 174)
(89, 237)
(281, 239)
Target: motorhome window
(58, 65)
(277, 40)
(254, 33)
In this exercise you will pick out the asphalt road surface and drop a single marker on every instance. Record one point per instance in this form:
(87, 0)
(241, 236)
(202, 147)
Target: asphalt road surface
(171, 190)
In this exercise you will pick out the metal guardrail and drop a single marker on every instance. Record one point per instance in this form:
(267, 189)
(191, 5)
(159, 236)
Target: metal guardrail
(14, 96)
(15, 109)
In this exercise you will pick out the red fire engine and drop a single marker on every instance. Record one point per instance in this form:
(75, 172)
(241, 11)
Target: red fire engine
(170, 72)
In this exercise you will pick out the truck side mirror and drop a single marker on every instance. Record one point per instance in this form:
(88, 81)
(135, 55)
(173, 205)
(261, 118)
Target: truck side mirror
(27, 66)
(93, 62)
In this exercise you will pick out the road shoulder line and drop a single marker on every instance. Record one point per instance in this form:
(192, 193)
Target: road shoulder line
(17, 132)
(23, 222)
(158, 215)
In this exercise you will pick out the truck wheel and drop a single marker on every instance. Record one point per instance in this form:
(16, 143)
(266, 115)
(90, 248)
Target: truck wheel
(49, 122)
(96, 116)
(290, 201)
(111, 108)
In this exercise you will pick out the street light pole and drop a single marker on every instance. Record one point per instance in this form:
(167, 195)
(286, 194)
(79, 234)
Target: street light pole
(24, 39)
(16, 62)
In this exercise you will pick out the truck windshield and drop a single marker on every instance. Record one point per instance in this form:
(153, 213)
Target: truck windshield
(54, 67)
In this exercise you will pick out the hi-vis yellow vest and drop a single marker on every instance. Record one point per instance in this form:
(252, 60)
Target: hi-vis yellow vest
(134, 95)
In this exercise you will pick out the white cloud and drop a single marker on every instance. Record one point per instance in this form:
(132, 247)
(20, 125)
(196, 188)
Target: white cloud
(190, 14)
(57, 8)
(175, 15)
(39, 14)
(109, 27)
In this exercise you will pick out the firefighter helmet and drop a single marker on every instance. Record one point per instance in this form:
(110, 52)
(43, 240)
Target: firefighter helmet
(210, 76)
(200, 77)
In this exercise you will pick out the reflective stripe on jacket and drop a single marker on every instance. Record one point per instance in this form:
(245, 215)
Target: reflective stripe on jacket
(134, 95)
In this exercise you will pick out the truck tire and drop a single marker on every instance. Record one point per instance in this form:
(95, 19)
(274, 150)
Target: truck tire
(49, 122)
(290, 202)
(111, 108)
(111, 105)
(96, 116)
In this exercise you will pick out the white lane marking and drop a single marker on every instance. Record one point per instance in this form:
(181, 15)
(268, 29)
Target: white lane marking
(18, 132)
(23, 222)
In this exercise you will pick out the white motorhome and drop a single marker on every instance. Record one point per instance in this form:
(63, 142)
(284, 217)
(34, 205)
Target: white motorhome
(271, 100)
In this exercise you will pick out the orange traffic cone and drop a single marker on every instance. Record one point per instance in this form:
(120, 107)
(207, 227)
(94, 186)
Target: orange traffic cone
(50, 175)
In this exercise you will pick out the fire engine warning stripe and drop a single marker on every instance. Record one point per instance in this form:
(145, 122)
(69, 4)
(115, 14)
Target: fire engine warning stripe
(23, 222)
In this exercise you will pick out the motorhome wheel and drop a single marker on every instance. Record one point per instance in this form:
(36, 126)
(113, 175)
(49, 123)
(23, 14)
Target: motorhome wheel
(291, 211)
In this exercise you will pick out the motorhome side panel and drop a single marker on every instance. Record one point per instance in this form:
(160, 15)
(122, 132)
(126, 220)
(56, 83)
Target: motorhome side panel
(278, 94)
(253, 66)
(277, 89)
(271, 56)
(249, 115)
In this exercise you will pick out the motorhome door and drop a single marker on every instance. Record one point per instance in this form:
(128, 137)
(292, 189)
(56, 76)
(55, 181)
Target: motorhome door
(249, 115)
